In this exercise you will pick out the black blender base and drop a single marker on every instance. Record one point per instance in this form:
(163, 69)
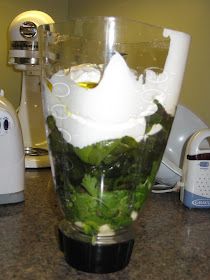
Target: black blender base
(97, 258)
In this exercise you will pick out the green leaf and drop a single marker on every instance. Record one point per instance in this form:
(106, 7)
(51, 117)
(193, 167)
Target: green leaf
(106, 151)
(95, 153)
(159, 117)
(90, 184)
(128, 169)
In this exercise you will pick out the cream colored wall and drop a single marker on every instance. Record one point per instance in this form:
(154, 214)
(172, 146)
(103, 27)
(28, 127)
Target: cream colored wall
(10, 80)
(191, 16)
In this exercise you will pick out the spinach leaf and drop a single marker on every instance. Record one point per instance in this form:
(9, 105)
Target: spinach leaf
(103, 183)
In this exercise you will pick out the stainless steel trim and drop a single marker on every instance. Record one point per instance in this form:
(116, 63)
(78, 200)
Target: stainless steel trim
(31, 151)
(24, 45)
(25, 60)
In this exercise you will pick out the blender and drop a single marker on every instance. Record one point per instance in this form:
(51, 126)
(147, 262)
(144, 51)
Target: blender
(24, 56)
(110, 88)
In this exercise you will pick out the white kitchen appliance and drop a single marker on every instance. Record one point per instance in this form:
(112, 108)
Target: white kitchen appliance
(12, 154)
(185, 124)
(195, 185)
(24, 55)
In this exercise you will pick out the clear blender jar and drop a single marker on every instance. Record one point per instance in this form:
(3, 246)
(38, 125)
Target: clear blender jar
(110, 87)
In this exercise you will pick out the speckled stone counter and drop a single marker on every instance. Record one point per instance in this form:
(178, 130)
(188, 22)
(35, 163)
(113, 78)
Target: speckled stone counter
(172, 242)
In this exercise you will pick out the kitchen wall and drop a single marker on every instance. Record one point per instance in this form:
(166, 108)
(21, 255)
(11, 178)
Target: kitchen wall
(10, 80)
(191, 16)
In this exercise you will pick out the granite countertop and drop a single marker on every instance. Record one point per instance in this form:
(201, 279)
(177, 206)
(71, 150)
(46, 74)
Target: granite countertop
(172, 242)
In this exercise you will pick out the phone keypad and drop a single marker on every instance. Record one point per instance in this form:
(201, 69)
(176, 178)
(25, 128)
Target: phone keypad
(202, 180)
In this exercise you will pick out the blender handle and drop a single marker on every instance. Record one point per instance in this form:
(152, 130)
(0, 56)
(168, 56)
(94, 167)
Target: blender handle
(175, 65)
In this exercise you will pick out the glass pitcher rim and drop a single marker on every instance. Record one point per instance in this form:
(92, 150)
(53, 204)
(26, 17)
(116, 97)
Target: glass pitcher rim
(117, 18)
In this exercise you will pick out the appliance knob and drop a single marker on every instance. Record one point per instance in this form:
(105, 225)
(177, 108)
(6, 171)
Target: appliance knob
(28, 29)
